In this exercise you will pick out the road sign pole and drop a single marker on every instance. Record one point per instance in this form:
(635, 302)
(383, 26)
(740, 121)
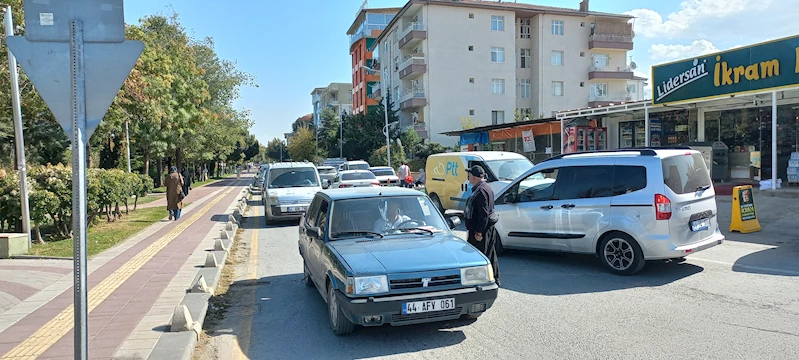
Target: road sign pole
(78, 76)
(20, 141)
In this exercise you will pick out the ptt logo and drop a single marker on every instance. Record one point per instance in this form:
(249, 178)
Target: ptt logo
(452, 168)
(439, 169)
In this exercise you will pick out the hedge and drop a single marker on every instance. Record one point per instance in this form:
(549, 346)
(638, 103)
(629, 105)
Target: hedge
(50, 196)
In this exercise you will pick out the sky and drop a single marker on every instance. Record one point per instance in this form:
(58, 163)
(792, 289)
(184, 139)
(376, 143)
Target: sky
(294, 46)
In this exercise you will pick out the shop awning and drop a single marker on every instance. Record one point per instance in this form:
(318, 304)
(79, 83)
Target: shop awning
(474, 138)
(516, 132)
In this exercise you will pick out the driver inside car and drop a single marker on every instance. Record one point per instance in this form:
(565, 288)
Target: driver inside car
(392, 220)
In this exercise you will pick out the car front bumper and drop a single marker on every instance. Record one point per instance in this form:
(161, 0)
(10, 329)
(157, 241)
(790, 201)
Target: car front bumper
(472, 300)
(278, 212)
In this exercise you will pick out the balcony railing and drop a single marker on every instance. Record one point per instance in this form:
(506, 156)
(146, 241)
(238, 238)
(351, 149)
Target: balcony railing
(609, 69)
(611, 38)
(610, 97)
(366, 29)
(410, 27)
(415, 93)
(415, 58)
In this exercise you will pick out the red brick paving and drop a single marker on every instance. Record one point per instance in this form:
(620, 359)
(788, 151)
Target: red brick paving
(17, 290)
(116, 317)
(49, 269)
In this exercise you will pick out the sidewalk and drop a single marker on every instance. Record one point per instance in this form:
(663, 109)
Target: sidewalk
(194, 194)
(125, 283)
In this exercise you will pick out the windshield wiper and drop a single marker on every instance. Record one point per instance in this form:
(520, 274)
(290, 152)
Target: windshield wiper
(358, 233)
(702, 188)
(431, 232)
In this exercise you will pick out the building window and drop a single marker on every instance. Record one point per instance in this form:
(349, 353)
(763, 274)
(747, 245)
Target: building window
(396, 63)
(582, 54)
(525, 89)
(396, 94)
(600, 61)
(497, 117)
(497, 23)
(557, 88)
(632, 89)
(599, 90)
(524, 28)
(526, 59)
(471, 80)
(497, 55)
(471, 112)
(557, 27)
(557, 58)
(471, 47)
(471, 15)
(498, 86)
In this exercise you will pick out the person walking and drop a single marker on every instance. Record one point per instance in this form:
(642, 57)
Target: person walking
(174, 193)
(481, 218)
(205, 173)
(404, 171)
(186, 181)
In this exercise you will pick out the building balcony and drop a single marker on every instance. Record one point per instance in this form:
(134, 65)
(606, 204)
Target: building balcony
(613, 42)
(620, 73)
(413, 66)
(608, 99)
(376, 93)
(412, 98)
(367, 30)
(412, 34)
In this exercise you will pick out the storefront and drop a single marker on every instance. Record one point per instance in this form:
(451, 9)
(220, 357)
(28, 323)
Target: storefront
(742, 103)
(536, 139)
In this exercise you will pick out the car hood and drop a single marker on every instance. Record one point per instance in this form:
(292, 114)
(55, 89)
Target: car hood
(407, 253)
(297, 192)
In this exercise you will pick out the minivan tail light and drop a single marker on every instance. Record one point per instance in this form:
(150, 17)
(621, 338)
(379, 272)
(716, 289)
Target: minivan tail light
(662, 207)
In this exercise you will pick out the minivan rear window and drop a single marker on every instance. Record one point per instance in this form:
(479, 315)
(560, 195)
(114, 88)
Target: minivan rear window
(686, 174)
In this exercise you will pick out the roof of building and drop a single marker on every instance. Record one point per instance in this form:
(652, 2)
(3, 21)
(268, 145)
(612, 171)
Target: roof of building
(306, 118)
(362, 15)
(531, 9)
(499, 126)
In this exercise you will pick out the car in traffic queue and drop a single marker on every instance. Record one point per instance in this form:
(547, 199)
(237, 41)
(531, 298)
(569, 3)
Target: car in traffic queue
(354, 178)
(354, 165)
(625, 206)
(387, 256)
(385, 175)
(326, 173)
(289, 188)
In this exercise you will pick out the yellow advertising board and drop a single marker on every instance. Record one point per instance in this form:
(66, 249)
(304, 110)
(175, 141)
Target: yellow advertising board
(744, 217)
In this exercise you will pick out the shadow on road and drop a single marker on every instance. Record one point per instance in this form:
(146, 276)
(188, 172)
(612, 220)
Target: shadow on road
(553, 274)
(780, 261)
(290, 321)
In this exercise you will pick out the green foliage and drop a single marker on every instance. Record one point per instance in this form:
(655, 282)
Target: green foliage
(430, 149)
(275, 148)
(411, 141)
(468, 123)
(378, 157)
(302, 145)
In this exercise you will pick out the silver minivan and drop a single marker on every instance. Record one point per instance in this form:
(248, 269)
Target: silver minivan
(624, 206)
(289, 188)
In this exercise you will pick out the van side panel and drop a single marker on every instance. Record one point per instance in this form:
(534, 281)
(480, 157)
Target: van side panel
(447, 179)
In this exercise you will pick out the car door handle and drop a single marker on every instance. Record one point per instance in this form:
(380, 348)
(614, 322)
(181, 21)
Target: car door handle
(567, 206)
(547, 207)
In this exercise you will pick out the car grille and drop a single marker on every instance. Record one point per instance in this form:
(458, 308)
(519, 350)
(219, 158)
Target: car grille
(400, 318)
(418, 283)
(295, 201)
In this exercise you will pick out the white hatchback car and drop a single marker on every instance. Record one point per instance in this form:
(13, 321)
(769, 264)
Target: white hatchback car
(354, 178)
(289, 188)
(624, 206)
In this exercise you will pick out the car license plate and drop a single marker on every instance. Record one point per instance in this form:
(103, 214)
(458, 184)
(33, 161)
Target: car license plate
(416, 307)
(295, 208)
(701, 224)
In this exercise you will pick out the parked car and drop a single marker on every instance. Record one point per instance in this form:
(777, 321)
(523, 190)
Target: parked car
(445, 174)
(288, 190)
(624, 206)
(371, 271)
(385, 175)
(354, 178)
(327, 174)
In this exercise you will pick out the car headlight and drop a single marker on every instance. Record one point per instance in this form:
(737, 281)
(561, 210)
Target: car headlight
(477, 275)
(367, 285)
(273, 201)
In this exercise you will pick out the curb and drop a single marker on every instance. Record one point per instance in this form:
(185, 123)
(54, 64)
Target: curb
(181, 344)
(40, 257)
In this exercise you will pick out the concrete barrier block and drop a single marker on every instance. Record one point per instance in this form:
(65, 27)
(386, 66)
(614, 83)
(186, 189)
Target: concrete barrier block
(230, 226)
(231, 218)
(201, 286)
(182, 321)
(210, 260)
(12, 244)
(220, 245)
(224, 235)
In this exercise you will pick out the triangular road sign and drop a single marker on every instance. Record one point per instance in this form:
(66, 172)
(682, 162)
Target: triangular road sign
(47, 64)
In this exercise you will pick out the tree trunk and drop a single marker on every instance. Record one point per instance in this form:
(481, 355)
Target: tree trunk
(117, 212)
(146, 156)
(159, 180)
(127, 210)
(178, 160)
(135, 202)
(108, 212)
(39, 240)
(88, 155)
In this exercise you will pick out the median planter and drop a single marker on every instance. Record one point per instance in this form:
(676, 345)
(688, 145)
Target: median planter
(12, 244)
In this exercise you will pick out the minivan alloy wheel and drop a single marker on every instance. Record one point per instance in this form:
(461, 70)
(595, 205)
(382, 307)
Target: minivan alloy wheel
(619, 254)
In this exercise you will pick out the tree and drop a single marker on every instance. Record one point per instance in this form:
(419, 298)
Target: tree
(329, 132)
(468, 123)
(411, 141)
(275, 148)
(378, 157)
(302, 146)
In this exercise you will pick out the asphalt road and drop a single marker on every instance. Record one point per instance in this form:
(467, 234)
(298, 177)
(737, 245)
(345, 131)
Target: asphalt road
(551, 306)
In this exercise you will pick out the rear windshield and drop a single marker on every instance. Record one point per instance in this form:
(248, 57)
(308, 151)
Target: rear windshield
(383, 172)
(358, 166)
(361, 175)
(686, 174)
(327, 171)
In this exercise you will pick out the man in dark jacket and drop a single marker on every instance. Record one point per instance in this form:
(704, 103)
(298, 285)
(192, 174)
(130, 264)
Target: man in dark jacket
(186, 181)
(479, 207)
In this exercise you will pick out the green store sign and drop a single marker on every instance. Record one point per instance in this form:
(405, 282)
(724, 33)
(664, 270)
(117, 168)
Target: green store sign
(764, 66)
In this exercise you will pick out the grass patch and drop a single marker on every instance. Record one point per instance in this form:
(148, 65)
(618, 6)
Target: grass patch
(145, 199)
(104, 235)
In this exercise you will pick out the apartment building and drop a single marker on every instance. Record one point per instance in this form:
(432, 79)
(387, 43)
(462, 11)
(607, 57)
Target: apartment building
(368, 25)
(336, 95)
(444, 60)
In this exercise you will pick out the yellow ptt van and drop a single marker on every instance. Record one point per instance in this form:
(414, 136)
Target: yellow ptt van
(446, 181)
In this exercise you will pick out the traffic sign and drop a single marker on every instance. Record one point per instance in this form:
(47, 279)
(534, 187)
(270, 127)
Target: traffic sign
(48, 20)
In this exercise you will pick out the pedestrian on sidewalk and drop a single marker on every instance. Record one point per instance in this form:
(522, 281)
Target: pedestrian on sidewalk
(174, 193)
(186, 181)
(481, 218)
(404, 171)
(205, 173)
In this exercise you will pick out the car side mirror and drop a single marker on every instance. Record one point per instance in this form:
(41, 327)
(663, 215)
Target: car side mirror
(508, 198)
(314, 231)
(325, 184)
(454, 221)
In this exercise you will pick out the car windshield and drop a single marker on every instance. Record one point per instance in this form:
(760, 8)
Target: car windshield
(359, 175)
(509, 169)
(385, 216)
(292, 177)
(358, 166)
(327, 171)
(383, 172)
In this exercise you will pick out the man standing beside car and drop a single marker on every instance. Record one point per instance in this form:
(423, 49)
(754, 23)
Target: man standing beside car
(480, 217)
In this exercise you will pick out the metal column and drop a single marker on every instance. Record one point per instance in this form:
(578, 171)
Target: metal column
(647, 126)
(774, 140)
(127, 143)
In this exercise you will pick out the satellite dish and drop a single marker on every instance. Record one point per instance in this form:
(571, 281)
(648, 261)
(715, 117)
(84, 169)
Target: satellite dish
(633, 65)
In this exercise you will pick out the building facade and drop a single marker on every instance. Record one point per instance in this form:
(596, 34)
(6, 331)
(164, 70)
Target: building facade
(337, 96)
(445, 61)
(368, 25)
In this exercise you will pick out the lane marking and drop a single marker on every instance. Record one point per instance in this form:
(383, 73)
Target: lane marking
(241, 343)
(61, 324)
(750, 267)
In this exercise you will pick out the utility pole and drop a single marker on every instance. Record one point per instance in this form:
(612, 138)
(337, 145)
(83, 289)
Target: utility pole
(127, 142)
